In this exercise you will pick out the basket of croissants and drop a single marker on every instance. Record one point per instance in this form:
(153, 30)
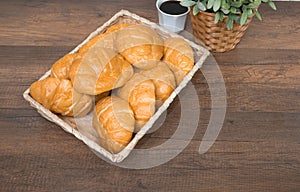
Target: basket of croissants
(124, 73)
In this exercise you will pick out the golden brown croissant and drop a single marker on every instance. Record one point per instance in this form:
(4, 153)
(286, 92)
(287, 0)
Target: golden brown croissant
(117, 27)
(140, 44)
(180, 57)
(101, 96)
(58, 96)
(114, 123)
(104, 40)
(99, 70)
(163, 79)
(60, 69)
(139, 91)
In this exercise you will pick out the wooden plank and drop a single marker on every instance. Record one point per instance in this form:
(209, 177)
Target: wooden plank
(247, 178)
(230, 165)
(60, 23)
(258, 148)
(240, 126)
(44, 23)
(258, 56)
(249, 87)
(240, 97)
(269, 33)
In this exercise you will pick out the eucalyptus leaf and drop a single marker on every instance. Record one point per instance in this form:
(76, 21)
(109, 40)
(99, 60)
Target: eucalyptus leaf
(235, 10)
(251, 5)
(229, 22)
(244, 18)
(217, 5)
(187, 3)
(236, 18)
(257, 14)
(236, 4)
(244, 8)
(225, 11)
(201, 6)
(272, 5)
(257, 3)
(196, 10)
(210, 4)
(221, 16)
(204, 2)
(224, 4)
(249, 12)
(217, 17)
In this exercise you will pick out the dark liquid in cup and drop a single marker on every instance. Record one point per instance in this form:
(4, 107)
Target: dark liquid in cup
(173, 8)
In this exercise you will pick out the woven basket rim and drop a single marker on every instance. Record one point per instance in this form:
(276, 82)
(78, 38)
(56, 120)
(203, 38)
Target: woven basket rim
(208, 13)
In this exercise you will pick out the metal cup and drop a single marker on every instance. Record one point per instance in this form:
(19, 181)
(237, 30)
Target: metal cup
(174, 23)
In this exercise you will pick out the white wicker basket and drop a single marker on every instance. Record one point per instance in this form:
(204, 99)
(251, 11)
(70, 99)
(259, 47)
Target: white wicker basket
(68, 124)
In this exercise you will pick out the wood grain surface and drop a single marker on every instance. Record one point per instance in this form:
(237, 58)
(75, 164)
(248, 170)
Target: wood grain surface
(258, 148)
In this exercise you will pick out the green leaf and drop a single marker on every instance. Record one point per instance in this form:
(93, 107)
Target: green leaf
(217, 17)
(229, 22)
(257, 3)
(204, 2)
(217, 5)
(257, 14)
(251, 5)
(187, 3)
(210, 4)
(235, 10)
(272, 5)
(224, 4)
(254, 5)
(196, 10)
(265, 1)
(225, 11)
(249, 12)
(201, 6)
(244, 18)
(236, 4)
(221, 16)
(236, 18)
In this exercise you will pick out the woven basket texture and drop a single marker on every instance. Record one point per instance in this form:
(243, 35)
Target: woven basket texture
(216, 37)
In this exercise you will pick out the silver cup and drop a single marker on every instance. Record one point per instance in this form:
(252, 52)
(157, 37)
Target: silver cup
(174, 23)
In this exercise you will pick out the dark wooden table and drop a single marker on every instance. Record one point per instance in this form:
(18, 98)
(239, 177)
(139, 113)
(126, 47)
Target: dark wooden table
(258, 148)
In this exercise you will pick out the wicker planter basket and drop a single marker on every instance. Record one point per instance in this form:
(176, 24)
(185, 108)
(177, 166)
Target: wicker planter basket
(215, 36)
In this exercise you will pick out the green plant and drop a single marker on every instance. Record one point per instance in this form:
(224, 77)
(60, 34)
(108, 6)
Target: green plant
(237, 11)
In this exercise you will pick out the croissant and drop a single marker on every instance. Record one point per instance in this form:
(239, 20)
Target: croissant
(114, 122)
(105, 40)
(140, 44)
(117, 27)
(180, 57)
(99, 70)
(60, 69)
(58, 96)
(164, 81)
(139, 91)
(101, 96)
